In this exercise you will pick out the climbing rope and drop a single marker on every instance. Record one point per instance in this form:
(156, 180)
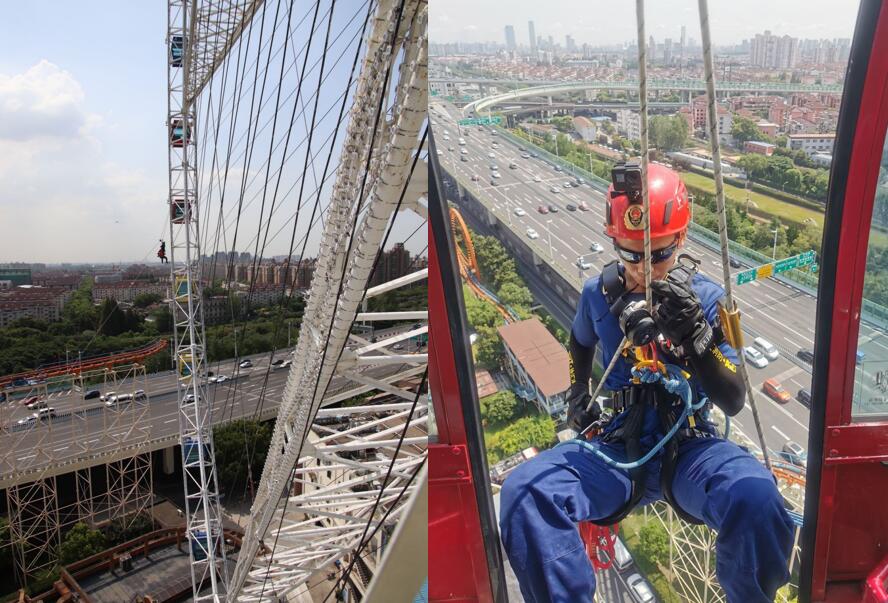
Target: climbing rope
(722, 219)
(642, 99)
(674, 381)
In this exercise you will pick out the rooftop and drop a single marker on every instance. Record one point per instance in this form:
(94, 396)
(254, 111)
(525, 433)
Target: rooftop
(541, 355)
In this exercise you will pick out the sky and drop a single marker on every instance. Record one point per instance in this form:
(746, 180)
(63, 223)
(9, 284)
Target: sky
(613, 22)
(83, 141)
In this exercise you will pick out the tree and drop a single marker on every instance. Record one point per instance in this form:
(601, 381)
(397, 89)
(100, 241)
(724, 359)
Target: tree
(112, 320)
(499, 407)
(241, 448)
(124, 529)
(668, 133)
(654, 542)
(163, 320)
(743, 129)
(515, 295)
(81, 542)
(538, 431)
(488, 348)
(143, 300)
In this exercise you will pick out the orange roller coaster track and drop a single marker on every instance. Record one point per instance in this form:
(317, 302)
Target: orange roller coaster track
(87, 364)
(468, 263)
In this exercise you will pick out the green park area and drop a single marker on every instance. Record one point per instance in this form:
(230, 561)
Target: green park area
(765, 203)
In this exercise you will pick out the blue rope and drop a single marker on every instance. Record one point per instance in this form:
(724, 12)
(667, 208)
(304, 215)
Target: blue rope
(674, 383)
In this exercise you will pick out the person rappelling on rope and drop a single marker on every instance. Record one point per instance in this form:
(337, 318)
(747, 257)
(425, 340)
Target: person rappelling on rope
(652, 439)
(162, 253)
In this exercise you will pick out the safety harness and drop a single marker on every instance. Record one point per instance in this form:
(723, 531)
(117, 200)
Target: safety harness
(657, 386)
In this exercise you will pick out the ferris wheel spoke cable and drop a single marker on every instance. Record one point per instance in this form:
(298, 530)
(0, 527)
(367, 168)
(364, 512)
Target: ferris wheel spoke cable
(360, 199)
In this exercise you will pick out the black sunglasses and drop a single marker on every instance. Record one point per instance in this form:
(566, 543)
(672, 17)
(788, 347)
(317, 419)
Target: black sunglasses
(657, 255)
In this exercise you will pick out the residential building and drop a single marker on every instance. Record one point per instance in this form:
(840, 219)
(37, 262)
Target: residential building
(538, 364)
(586, 128)
(812, 143)
(759, 147)
(392, 264)
(780, 52)
(531, 31)
(767, 128)
(18, 276)
(629, 124)
(41, 303)
(128, 291)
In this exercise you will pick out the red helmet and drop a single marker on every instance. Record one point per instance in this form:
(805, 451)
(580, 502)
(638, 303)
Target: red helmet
(670, 213)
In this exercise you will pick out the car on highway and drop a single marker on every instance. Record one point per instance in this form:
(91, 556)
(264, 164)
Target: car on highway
(519, 212)
(29, 400)
(754, 357)
(534, 155)
(26, 420)
(640, 589)
(860, 357)
(278, 362)
(189, 399)
(596, 247)
(475, 178)
(543, 209)
(520, 149)
(38, 403)
(583, 206)
(622, 557)
(246, 363)
(91, 394)
(286, 364)
(221, 378)
(398, 346)
(583, 264)
(493, 182)
(440, 152)
(107, 396)
(45, 413)
(140, 394)
(494, 174)
(567, 185)
(446, 137)
(570, 207)
(464, 159)
(775, 391)
(806, 355)
(525, 155)
(537, 178)
(579, 182)
(794, 453)
(532, 234)
(554, 190)
(493, 167)
(734, 263)
(463, 151)
(558, 168)
(513, 166)
(491, 155)
(494, 146)
(553, 208)
(804, 396)
(767, 348)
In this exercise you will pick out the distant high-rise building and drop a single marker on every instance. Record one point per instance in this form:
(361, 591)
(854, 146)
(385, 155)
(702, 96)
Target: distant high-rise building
(510, 38)
(779, 52)
(570, 44)
(684, 38)
(667, 51)
(533, 38)
(394, 263)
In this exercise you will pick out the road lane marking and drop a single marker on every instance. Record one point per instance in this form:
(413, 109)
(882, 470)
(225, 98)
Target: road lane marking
(170, 421)
(777, 429)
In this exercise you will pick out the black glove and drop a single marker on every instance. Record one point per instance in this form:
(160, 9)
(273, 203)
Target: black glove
(578, 418)
(679, 315)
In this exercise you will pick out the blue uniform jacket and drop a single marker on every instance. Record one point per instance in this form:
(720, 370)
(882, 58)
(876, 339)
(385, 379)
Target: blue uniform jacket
(594, 324)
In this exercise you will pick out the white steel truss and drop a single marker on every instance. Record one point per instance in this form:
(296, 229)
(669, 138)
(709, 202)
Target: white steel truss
(320, 482)
(198, 38)
(34, 526)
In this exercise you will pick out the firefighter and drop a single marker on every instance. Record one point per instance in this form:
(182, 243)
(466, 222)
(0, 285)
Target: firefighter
(162, 254)
(705, 478)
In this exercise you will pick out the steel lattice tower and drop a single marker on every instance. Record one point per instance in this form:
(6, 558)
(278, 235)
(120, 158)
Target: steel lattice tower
(202, 512)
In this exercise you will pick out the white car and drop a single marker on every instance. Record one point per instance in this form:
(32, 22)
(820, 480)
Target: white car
(767, 348)
(532, 234)
(754, 357)
(107, 396)
(446, 137)
(537, 178)
(440, 152)
(583, 264)
(221, 378)
(641, 590)
(596, 247)
(246, 364)
(491, 155)
(494, 174)
(622, 558)
(464, 151)
(494, 146)
(520, 212)
(554, 190)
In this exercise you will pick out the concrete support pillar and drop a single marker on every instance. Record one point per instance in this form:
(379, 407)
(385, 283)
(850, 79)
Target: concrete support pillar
(169, 461)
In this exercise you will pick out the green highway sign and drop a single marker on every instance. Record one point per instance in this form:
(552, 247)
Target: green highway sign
(766, 270)
(480, 121)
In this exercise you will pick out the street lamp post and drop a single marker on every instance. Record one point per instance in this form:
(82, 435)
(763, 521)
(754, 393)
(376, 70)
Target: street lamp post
(774, 252)
(691, 204)
(549, 231)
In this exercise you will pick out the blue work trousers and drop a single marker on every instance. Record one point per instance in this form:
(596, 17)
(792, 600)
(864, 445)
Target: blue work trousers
(715, 481)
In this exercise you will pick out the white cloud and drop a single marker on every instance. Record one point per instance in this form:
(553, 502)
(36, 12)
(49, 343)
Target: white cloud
(65, 196)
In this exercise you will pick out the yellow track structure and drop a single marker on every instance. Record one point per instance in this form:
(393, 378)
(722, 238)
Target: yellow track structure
(468, 262)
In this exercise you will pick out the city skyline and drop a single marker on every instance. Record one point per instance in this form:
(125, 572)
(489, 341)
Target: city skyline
(473, 22)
